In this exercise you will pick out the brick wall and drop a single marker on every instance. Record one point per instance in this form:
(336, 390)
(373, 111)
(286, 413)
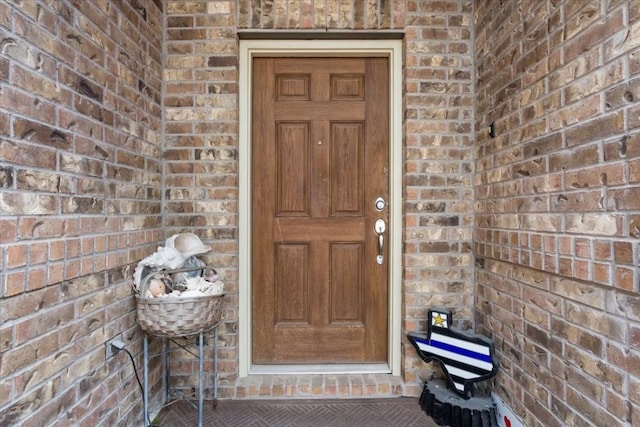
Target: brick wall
(201, 166)
(557, 203)
(555, 237)
(80, 190)
(438, 178)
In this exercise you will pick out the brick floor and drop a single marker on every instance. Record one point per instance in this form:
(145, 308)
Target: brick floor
(389, 412)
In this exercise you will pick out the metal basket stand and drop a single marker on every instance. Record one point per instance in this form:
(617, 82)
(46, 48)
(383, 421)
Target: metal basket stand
(166, 352)
(168, 338)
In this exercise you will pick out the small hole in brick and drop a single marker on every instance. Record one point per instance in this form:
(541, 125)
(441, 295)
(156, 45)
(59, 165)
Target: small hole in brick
(622, 146)
(85, 89)
(628, 96)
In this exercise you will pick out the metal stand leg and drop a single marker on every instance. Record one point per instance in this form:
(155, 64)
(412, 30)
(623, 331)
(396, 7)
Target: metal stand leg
(167, 370)
(215, 368)
(200, 380)
(145, 398)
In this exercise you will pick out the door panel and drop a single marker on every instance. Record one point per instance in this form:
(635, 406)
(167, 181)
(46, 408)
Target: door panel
(346, 284)
(292, 283)
(346, 174)
(292, 168)
(319, 160)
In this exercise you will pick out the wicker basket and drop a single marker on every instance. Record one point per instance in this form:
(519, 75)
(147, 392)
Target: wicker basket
(177, 317)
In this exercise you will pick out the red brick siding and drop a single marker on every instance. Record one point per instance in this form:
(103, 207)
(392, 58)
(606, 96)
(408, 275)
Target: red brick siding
(556, 204)
(438, 171)
(80, 203)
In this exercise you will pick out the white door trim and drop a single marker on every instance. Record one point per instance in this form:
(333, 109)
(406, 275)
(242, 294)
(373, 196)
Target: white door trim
(254, 48)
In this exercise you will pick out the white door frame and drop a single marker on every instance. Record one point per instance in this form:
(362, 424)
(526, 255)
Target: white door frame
(255, 48)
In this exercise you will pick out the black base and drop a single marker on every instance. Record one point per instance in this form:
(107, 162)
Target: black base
(449, 409)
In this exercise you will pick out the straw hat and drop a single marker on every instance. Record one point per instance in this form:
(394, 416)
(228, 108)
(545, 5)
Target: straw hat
(188, 244)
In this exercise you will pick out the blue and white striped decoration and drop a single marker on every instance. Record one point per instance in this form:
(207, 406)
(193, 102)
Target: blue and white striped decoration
(465, 357)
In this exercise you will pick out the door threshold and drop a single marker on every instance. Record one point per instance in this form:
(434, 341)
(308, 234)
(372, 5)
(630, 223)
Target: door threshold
(345, 368)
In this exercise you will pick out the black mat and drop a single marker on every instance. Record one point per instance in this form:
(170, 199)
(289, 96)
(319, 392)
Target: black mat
(391, 412)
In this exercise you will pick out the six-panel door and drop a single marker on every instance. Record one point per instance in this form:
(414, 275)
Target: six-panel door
(320, 159)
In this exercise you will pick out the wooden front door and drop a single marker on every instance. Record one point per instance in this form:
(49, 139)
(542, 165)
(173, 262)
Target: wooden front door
(320, 159)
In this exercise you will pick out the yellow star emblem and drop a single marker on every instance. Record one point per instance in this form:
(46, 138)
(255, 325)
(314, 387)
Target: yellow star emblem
(439, 320)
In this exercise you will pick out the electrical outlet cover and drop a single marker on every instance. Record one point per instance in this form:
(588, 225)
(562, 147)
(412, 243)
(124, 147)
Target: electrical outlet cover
(109, 351)
(506, 417)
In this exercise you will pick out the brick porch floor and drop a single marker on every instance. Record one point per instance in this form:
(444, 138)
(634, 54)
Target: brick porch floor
(390, 412)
